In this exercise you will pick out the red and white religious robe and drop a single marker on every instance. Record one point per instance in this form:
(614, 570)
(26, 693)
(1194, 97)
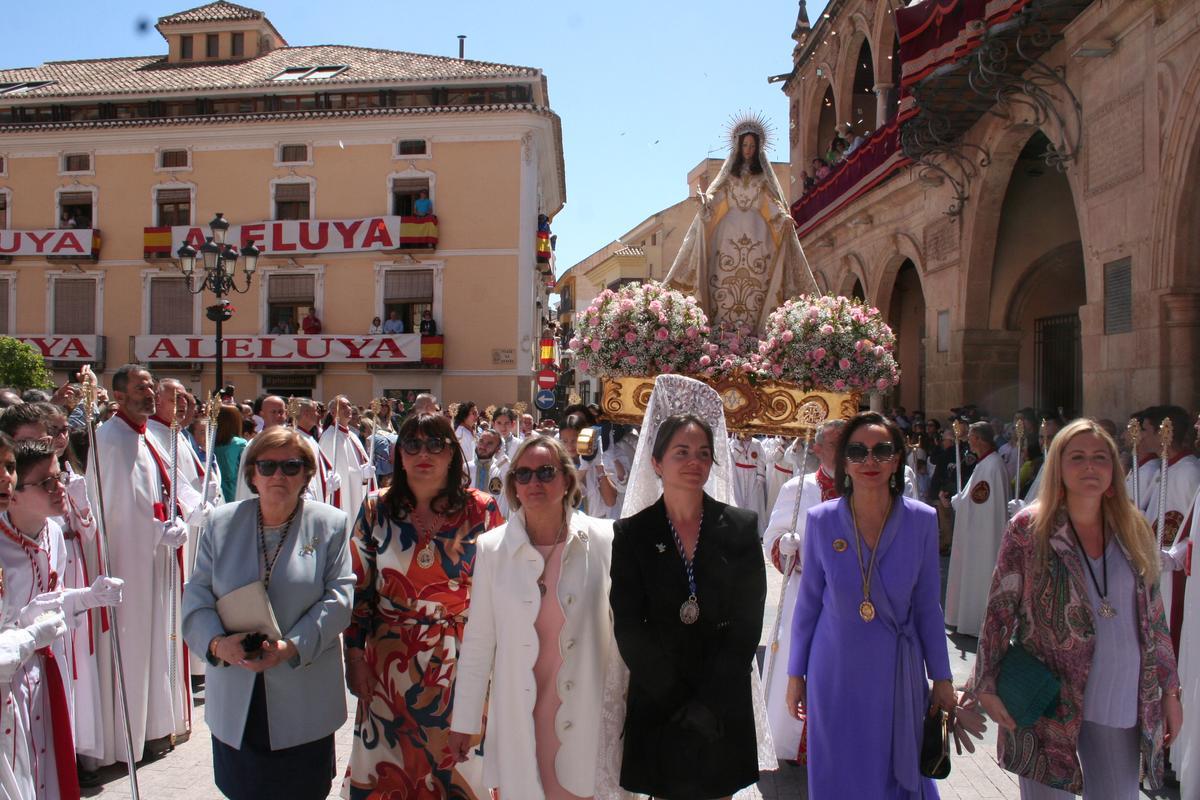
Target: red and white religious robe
(16, 647)
(40, 689)
(350, 462)
(136, 487)
(319, 487)
(1184, 622)
(786, 731)
(749, 477)
(1183, 480)
(980, 517)
(780, 466)
(81, 567)
(1145, 473)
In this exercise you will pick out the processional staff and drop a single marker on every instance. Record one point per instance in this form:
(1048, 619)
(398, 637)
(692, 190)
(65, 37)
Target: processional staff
(174, 561)
(812, 416)
(88, 379)
(1134, 433)
(1166, 433)
(210, 440)
(957, 426)
(1019, 435)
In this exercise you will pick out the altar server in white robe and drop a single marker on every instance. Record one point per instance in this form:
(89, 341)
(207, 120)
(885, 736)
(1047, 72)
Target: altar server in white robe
(1183, 480)
(274, 413)
(599, 493)
(783, 541)
(354, 468)
(504, 422)
(749, 476)
(980, 517)
(1147, 462)
(325, 486)
(32, 553)
(781, 465)
(145, 550)
(617, 459)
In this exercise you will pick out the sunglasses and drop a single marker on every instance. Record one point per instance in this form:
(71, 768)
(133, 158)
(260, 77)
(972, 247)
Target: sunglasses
(290, 467)
(432, 445)
(544, 474)
(883, 452)
(49, 484)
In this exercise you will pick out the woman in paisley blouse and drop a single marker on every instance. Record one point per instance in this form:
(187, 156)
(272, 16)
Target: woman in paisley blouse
(414, 554)
(1076, 585)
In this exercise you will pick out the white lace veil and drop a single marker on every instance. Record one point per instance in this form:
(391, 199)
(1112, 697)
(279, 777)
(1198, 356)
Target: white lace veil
(672, 394)
(676, 394)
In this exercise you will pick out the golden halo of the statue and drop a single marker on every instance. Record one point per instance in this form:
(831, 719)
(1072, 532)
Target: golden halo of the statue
(750, 122)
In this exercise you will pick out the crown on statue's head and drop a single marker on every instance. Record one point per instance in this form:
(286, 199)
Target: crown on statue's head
(750, 122)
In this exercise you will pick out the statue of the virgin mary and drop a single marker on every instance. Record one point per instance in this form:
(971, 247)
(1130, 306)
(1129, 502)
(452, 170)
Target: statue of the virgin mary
(741, 257)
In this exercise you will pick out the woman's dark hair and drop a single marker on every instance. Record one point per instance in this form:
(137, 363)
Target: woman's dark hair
(671, 425)
(576, 422)
(739, 162)
(398, 499)
(862, 420)
(229, 424)
(461, 415)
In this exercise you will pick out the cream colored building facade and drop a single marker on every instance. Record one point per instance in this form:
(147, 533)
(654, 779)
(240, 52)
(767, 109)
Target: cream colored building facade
(1076, 288)
(320, 154)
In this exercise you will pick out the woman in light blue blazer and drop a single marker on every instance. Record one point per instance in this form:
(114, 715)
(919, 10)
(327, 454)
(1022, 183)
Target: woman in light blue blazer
(273, 709)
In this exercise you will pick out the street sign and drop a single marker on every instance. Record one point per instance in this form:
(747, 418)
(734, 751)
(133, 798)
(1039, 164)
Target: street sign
(544, 399)
(547, 379)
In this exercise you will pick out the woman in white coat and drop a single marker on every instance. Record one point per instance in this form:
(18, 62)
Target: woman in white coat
(540, 632)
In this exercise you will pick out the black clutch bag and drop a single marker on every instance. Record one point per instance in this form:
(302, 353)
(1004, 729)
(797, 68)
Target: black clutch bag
(935, 745)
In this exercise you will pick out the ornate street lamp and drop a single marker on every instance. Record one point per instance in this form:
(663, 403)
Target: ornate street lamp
(219, 262)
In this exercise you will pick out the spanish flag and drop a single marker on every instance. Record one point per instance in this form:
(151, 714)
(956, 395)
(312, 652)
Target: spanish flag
(548, 344)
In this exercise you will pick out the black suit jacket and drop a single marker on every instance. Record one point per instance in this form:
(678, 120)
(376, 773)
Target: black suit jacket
(689, 726)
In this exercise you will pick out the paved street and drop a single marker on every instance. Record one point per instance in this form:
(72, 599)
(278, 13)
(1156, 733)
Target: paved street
(187, 772)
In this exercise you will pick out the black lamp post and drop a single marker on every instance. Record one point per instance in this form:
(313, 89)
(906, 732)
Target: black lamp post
(220, 262)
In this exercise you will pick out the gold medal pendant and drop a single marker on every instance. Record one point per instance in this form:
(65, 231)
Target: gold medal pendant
(866, 610)
(689, 612)
(426, 557)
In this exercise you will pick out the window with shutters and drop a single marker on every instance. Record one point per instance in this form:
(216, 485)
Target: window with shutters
(77, 162)
(174, 206)
(185, 46)
(5, 291)
(1118, 296)
(212, 45)
(170, 306)
(74, 306)
(174, 159)
(408, 292)
(289, 297)
(293, 154)
(405, 193)
(292, 200)
(3, 211)
(75, 210)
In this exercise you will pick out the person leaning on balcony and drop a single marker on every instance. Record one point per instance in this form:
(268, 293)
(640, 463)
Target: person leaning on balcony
(423, 206)
(516, 610)
(1076, 586)
(428, 326)
(376, 326)
(394, 324)
(311, 324)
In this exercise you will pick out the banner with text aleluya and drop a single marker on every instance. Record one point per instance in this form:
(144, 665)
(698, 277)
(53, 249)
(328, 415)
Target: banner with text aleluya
(282, 349)
(293, 237)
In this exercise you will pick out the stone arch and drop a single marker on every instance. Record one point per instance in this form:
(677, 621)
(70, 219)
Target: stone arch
(819, 129)
(847, 77)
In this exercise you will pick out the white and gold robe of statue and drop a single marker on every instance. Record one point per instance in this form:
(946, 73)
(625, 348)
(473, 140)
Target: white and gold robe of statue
(980, 517)
(136, 492)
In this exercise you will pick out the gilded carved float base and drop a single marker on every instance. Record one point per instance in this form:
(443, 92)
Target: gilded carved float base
(770, 408)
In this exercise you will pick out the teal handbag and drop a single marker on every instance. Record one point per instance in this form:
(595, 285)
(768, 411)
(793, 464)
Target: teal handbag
(1026, 686)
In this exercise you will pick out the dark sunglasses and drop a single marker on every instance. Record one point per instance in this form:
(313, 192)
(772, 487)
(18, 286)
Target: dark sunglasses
(290, 467)
(544, 473)
(432, 445)
(883, 452)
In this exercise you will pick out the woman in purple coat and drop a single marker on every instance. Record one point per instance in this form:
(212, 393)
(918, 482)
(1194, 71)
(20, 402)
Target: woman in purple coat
(868, 626)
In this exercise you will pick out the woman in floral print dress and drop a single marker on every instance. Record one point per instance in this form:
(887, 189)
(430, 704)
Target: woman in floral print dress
(414, 553)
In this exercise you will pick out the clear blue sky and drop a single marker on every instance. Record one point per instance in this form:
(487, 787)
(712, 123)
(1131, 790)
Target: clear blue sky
(644, 88)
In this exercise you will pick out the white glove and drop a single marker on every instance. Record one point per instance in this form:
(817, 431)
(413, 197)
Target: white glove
(368, 472)
(1174, 558)
(77, 491)
(104, 591)
(174, 534)
(47, 603)
(1014, 506)
(46, 628)
(789, 545)
(199, 516)
(334, 481)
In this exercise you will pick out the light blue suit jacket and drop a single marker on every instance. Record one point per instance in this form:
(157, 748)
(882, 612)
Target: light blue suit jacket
(310, 592)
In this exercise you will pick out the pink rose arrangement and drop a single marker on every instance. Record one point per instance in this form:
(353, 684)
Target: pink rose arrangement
(641, 329)
(830, 344)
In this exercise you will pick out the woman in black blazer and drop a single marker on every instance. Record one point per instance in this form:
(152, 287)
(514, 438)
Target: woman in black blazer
(688, 588)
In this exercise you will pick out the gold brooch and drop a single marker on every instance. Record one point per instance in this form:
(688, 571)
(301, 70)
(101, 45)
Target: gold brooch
(839, 545)
(308, 548)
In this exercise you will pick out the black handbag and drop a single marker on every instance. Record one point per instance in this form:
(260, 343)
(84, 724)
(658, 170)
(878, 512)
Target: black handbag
(935, 745)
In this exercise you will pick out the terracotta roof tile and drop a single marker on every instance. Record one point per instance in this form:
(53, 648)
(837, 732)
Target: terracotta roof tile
(154, 75)
(629, 250)
(220, 11)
